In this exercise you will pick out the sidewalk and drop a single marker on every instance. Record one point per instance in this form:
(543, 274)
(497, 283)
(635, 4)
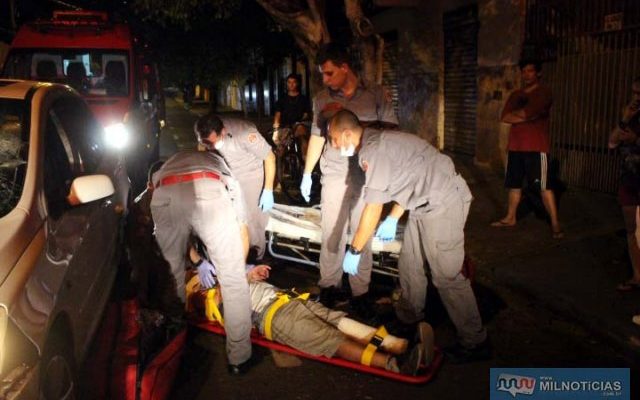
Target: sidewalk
(574, 277)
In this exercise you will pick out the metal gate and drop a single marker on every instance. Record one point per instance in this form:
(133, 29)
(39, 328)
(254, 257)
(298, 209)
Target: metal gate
(390, 67)
(460, 86)
(591, 53)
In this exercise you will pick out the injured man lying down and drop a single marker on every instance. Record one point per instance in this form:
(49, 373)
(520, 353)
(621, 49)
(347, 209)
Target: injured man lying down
(291, 319)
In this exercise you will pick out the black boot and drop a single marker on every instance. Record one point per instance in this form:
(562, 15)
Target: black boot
(459, 354)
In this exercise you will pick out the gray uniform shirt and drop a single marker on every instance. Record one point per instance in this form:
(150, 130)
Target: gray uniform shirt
(404, 168)
(189, 161)
(244, 148)
(369, 103)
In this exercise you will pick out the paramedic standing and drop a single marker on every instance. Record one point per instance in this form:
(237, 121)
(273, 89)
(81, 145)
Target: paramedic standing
(252, 163)
(342, 180)
(195, 193)
(405, 169)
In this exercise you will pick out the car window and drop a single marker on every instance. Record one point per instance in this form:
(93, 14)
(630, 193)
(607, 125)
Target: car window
(91, 72)
(14, 146)
(83, 132)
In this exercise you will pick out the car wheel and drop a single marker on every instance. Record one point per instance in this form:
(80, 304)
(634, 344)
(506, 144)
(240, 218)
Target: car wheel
(58, 379)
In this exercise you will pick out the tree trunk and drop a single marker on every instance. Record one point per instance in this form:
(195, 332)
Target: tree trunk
(309, 29)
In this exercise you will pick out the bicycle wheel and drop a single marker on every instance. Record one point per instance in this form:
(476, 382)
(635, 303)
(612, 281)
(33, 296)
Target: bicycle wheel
(289, 172)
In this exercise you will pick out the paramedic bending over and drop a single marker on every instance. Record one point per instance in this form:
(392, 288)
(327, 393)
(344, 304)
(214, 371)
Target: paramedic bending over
(196, 193)
(252, 163)
(342, 180)
(407, 170)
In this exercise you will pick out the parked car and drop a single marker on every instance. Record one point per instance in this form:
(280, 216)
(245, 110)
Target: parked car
(63, 200)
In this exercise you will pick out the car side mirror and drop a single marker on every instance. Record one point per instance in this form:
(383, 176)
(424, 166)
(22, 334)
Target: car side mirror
(86, 189)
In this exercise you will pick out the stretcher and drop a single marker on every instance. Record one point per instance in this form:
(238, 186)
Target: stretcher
(197, 306)
(259, 340)
(294, 234)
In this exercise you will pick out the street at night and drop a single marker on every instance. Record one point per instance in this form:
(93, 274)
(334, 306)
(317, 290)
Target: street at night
(319, 199)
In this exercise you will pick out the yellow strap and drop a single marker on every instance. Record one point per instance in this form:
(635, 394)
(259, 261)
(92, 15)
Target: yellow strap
(190, 288)
(283, 299)
(372, 347)
(211, 310)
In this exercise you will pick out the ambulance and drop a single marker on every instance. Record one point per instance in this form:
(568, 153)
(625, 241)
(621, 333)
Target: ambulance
(109, 67)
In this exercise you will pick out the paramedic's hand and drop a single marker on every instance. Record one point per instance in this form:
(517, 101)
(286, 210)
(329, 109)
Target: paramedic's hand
(350, 263)
(206, 274)
(305, 187)
(387, 229)
(266, 200)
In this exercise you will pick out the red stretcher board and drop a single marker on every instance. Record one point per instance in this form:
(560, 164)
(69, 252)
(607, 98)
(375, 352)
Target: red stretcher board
(260, 340)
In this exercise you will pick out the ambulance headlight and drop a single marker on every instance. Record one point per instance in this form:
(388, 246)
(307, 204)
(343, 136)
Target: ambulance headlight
(116, 135)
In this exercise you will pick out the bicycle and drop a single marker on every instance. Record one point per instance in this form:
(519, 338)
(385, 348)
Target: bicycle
(289, 151)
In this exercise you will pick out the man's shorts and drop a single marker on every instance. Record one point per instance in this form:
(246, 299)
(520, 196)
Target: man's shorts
(309, 327)
(531, 165)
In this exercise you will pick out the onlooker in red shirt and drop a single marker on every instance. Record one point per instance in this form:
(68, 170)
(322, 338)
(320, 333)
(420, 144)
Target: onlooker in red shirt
(528, 110)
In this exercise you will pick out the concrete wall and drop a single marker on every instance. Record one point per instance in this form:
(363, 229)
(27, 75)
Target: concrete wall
(419, 55)
(421, 68)
(499, 46)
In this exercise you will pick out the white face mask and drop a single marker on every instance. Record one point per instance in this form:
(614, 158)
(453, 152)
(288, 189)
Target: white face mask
(219, 144)
(347, 151)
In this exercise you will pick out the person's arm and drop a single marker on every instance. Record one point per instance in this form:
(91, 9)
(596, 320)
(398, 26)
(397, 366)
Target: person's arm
(515, 117)
(396, 211)
(269, 171)
(244, 236)
(314, 150)
(511, 113)
(276, 120)
(367, 225)
(538, 104)
(258, 273)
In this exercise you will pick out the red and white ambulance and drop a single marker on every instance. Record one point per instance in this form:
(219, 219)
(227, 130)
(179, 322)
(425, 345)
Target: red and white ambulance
(108, 66)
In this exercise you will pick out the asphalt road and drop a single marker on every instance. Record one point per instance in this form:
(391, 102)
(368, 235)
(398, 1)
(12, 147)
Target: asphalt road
(522, 333)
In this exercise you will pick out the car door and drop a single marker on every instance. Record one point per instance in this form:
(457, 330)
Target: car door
(94, 264)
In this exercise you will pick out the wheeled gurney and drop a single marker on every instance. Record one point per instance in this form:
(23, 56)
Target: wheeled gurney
(294, 234)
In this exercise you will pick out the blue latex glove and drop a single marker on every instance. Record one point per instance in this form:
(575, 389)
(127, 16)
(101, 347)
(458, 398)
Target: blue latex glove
(305, 187)
(206, 274)
(350, 263)
(266, 200)
(387, 229)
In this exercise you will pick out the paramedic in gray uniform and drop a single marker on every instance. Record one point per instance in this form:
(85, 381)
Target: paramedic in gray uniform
(252, 163)
(342, 180)
(195, 193)
(405, 169)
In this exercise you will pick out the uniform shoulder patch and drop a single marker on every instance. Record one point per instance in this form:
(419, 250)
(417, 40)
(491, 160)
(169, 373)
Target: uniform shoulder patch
(364, 165)
(252, 138)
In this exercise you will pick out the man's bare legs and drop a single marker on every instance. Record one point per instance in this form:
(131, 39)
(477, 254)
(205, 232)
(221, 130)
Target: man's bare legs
(629, 214)
(352, 351)
(514, 197)
(549, 201)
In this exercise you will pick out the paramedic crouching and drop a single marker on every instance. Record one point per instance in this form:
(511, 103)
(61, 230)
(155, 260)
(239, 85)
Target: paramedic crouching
(407, 170)
(195, 193)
